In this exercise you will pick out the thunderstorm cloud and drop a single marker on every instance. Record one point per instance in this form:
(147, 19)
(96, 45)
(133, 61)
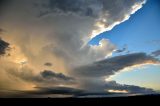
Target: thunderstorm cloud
(47, 35)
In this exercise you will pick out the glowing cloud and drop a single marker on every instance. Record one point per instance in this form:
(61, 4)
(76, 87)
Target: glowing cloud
(118, 91)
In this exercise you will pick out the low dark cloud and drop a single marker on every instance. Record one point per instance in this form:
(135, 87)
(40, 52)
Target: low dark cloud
(156, 53)
(48, 64)
(42, 92)
(90, 8)
(93, 76)
(130, 88)
(45, 77)
(3, 46)
(47, 74)
(58, 90)
(122, 50)
(79, 7)
(63, 92)
(112, 65)
(73, 92)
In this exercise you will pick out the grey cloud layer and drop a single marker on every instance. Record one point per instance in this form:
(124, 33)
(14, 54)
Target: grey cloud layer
(53, 92)
(81, 7)
(45, 77)
(50, 74)
(130, 88)
(112, 65)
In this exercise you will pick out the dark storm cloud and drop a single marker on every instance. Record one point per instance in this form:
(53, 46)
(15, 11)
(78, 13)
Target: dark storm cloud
(81, 92)
(130, 88)
(44, 92)
(48, 64)
(112, 65)
(156, 53)
(113, 85)
(3, 46)
(90, 7)
(45, 77)
(81, 7)
(47, 74)
(58, 90)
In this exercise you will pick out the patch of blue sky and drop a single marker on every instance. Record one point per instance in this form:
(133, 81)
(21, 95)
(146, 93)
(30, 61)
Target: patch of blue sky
(139, 32)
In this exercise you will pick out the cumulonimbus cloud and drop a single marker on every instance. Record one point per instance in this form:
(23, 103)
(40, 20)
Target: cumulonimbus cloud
(58, 31)
(62, 35)
(102, 10)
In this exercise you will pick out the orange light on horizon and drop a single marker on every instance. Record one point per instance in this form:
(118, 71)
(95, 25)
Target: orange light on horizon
(117, 91)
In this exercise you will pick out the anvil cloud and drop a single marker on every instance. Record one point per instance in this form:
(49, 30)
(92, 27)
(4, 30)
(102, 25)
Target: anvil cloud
(54, 34)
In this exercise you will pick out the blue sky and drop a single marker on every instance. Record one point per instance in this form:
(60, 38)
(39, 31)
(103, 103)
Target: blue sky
(141, 33)
(145, 77)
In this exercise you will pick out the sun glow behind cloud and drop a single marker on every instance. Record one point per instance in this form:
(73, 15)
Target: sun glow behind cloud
(117, 91)
(16, 55)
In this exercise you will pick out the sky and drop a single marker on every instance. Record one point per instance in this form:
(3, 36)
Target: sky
(147, 31)
(147, 23)
(79, 48)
